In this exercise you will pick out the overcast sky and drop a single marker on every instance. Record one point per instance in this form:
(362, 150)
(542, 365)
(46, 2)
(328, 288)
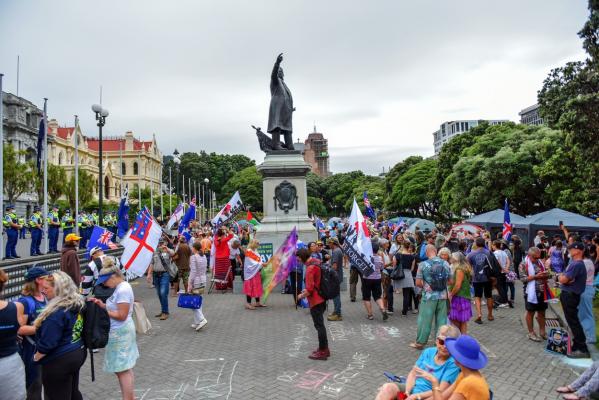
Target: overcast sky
(377, 77)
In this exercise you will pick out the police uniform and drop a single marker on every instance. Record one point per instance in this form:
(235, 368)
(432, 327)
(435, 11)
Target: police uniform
(67, 224)
(82, 223)
(53, 230)
(36, 228)
(12, 232)
(23, 229)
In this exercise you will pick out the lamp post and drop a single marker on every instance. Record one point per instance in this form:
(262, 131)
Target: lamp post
(177, 161)
(101, 114)
(206, 182)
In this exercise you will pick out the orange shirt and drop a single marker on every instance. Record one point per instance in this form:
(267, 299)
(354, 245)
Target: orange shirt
(206, 245)
(472, 387)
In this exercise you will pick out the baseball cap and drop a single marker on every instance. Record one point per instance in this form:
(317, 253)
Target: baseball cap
(71, 237)
(94, 249)
(35, 272)
(577, 246)
(333, 240)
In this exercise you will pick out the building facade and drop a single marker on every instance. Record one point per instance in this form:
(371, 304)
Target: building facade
(530, 116)
(449, 129)
(127, 159)
(316, 153)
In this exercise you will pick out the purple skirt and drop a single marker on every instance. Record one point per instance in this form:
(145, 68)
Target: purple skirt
(461, 309)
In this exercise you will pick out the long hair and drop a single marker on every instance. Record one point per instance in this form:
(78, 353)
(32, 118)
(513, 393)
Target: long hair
(66, 296)
(461, 262)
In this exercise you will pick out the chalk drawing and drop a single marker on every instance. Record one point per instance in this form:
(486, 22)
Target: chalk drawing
(367, 331)
(300, 339)
(311, 380)
(340, 380)
(340, 332)
(288, 376)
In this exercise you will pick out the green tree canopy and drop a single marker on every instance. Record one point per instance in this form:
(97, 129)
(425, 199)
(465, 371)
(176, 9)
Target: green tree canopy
(413, 191)
(249, 184)
(17, 176)
(86, 189)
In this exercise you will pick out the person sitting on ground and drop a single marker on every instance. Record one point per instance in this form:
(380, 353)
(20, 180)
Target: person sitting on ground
(584, 386)
(470, 384)
(435, 359)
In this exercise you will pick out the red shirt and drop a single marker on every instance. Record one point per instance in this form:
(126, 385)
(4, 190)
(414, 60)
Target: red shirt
(222, 246)
(313, 282)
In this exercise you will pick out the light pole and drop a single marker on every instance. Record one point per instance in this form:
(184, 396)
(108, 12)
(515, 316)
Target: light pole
(170, 191)
(177, 161)
(206, 182)
(101, 114)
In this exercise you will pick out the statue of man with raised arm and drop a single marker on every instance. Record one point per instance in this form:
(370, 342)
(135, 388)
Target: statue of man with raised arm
(281, 109)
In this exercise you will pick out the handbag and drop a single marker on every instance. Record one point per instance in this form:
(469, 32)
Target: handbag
(188, 300)
(142, 323)
(511, 276)
(169, 267)
(398, 273)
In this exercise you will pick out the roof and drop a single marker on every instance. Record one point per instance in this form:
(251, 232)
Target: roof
(495, 217)
(63, 133)
(552, 217)
(528, 109)
(113, 144)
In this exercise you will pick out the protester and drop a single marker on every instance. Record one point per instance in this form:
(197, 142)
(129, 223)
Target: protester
(252, 278)
(34, 302)
(397, 245)
(158, 274)
(69, 261)
(387, 287)
(406, 260)
(534, 276)
(235, 255)
(316, 302)
(437, 361)
(296, 276)
(573, 282)
(504, 263)
(371, 285)
(481, 280)
(121, 352)
(12, 372)
(517, 253)
(181, 257)
(222, 264)
(459, 292)
(60, 349)
(197, 282)
(90, 272)
(432, 277)
(354, 276)
(444, 254)
(470, 384)
(584, 386)
(539, 238)
(206, 246)
(585, 308)
(337, 266)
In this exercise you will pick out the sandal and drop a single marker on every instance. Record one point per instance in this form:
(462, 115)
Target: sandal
(479, 321)
(543, 336)
(249, 307)
(564, 389)
(259, 305)
(533, 337)
(417, 346)
(370, 317)
(572, 396)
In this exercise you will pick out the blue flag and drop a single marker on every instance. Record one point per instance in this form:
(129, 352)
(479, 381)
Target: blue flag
(186, 220)
(40, 146)
(507, 225)
(100, 237)
(123, 214)
(369, 211)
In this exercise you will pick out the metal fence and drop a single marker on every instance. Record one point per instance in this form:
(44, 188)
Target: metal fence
(16, 269)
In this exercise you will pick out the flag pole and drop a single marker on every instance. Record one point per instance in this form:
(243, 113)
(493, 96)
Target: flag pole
(46, 176)
(151, 199)
(1, 166)
(121, 162)
(183, 188)
(139, 179)
(76, 175)
(170, 192)
(161, 193)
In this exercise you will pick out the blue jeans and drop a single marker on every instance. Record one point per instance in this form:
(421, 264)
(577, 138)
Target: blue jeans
(585, 313)
(162, 285)
(337, 304)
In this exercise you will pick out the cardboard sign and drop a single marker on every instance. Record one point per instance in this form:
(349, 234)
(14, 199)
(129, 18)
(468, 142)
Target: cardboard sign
(265, 250)
(558, 341)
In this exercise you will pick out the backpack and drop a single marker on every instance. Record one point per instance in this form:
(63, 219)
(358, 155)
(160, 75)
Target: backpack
(330, 286)
(439, 275)
(96, 326)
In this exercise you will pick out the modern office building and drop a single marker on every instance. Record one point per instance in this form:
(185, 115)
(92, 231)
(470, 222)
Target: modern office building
(530, 116)
(449, 129)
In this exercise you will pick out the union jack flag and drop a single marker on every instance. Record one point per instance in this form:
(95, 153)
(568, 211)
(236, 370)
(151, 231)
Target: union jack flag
(101, 237)
(369, 211)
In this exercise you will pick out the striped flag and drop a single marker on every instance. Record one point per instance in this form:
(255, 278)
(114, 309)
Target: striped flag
(507, 226)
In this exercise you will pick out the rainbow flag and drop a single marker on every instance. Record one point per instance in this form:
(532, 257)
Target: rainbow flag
(549, 295)
(279, 265)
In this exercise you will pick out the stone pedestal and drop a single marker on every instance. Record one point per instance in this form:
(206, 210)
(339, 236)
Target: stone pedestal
(285, 198)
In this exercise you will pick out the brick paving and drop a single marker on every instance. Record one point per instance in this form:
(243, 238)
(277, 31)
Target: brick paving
(262, 354)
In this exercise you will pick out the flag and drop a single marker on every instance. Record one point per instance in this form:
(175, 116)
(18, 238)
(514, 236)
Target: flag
(176, 216)
(319, 225)
(369, 211)
(280, 264)
(250, 218)
(123, 214)
(140, 244)
(186, 220)
(549, 295)
(396, 231)
(101, 237)
(228, 211)
(507, 226)
(41, 136)
(303, 302)
(357, 245)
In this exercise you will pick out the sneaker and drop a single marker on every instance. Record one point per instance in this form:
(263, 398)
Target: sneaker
(385, 315)
(163, 316)
(511, 304)
(390, 312)
(503, 305)
(158, 315)
(201, 324)
(319, 355)
(415, 311)
(334, 317)
(95, 351)
(579, 354)
(193, 326)
(353, 300)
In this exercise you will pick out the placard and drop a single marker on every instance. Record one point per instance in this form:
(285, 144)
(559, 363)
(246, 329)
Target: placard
(266, 251)
(558, 341)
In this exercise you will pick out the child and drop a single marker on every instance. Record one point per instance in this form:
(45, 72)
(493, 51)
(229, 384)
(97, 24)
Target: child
(197, 281)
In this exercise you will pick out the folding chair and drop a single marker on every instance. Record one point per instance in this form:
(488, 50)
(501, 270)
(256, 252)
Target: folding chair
(220, 279)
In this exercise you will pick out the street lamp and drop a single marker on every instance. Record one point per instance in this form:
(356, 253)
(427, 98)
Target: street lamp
(101, 114)
(177, 161)
(206, 182)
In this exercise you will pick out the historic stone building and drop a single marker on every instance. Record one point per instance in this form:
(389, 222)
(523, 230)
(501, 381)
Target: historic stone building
(316, 153)
(134, 162)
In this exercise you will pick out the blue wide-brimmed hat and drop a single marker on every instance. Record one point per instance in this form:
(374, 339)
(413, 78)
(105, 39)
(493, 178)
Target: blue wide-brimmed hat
(466, 350)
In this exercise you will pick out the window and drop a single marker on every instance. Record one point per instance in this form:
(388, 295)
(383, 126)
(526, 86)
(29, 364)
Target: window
(466, 126)
(28, 119)
(123, 169)
(60, 158)
(135, 168)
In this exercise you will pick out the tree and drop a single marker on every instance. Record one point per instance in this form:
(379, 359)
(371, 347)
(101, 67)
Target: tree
(17, 176)
(413, 190)
(86, 189)
(249, 184)
(375, 186)
(316, 207)
(57, 183)
(398, 170)
(338, 188)
(314, 185)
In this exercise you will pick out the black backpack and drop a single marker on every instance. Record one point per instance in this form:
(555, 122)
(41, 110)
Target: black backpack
(96, 326)
(439, 275)
(330, 286)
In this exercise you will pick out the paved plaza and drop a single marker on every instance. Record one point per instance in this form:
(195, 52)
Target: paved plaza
(262, 354)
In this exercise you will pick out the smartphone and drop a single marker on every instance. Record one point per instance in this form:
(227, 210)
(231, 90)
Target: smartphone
(561, 223)
(395, 378)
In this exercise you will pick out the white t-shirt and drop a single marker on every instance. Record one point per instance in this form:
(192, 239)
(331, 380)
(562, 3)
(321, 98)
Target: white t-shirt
(123, 293)
(501, 258)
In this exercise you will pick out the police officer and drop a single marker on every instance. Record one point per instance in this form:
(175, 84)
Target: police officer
(53, 229)
(94, 218)
(67, 224)
(109, 222)
(10, 223)
(36, 227)
(82, 223)
(23, 229)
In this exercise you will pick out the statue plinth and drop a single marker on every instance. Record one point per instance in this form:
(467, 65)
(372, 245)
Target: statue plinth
(285, 198)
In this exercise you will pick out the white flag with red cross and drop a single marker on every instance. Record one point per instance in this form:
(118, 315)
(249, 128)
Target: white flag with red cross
(140, 244)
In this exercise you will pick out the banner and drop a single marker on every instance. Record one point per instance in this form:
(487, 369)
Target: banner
(176, 216)
(228, 211)
(357, 245)
(140, 244)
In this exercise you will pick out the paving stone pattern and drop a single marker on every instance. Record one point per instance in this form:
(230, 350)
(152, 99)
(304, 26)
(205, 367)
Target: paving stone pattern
(262, 354)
